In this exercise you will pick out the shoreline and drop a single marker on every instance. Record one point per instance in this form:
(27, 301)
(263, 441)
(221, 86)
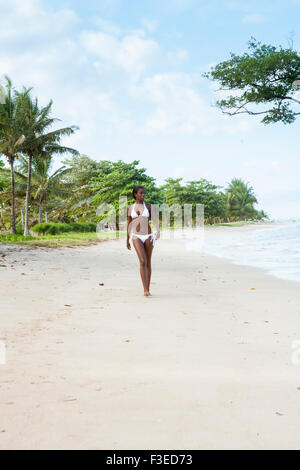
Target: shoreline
(205, 363)
(208, 228)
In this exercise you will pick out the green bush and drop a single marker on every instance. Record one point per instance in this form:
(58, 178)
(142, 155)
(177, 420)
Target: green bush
(14, 237)
(41, 228)
(20, 229)
(48, 228)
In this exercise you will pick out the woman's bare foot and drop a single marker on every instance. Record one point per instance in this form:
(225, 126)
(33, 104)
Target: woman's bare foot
(147, 293)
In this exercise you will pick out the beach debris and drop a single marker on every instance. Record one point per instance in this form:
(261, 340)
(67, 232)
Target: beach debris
(70, 399)
(101, 283)
(68, 305)
(3, 266)
(3, 430)
(127, 340)
(252, 288)
(246, 322)
(279, 414)
(204, 279)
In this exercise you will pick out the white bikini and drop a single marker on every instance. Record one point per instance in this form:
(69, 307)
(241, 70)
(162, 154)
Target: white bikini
(145, 213)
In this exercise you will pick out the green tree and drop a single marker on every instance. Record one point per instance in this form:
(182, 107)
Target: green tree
(20, 185)
(240, 199)
(82, 170)
(206, 193)
(173, 192)
(2, 179)
(11, 138)
(3, 188)
(44, 185)
(195, 192)
(261, 215)
(119, 181)
(39, 141)
(266, 77)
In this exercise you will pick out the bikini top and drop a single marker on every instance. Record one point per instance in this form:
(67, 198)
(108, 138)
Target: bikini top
(145, 213)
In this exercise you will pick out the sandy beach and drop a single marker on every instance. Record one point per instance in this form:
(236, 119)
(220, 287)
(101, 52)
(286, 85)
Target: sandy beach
(205, 363)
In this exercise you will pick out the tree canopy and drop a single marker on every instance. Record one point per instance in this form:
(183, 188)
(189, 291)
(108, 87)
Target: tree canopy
(74, 192)
(263, 81)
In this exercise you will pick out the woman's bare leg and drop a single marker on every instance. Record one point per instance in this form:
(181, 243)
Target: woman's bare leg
(140, 249)
(148, 249)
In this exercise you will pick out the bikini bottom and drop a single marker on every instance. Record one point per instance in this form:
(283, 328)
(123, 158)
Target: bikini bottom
(145, 237)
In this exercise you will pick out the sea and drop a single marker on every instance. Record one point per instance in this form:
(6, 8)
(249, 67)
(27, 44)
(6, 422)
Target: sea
(274, 249)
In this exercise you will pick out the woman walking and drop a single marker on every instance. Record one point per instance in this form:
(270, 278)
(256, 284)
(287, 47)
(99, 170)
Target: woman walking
(139, 214)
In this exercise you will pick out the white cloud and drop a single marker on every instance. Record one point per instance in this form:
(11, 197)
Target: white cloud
(107, 26)
(132, 53)
(25, 20)
(182, 54)
(150, 25)
(180, 109)
(253, 19)
(109, 81)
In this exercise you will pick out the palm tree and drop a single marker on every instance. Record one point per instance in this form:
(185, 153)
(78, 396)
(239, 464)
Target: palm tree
(40, 142)
(5, 189)
(240, 199)
(43, 184)
(11, 135)
(3, 185)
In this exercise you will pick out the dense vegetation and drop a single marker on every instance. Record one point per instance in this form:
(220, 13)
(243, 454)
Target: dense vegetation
(33, 196)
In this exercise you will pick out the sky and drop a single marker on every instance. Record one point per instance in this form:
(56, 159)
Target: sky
(129, 74)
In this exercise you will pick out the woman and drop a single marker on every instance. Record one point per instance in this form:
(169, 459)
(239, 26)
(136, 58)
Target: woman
(142, 238)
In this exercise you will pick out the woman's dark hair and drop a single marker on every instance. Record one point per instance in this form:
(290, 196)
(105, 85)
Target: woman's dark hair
(135, 190)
